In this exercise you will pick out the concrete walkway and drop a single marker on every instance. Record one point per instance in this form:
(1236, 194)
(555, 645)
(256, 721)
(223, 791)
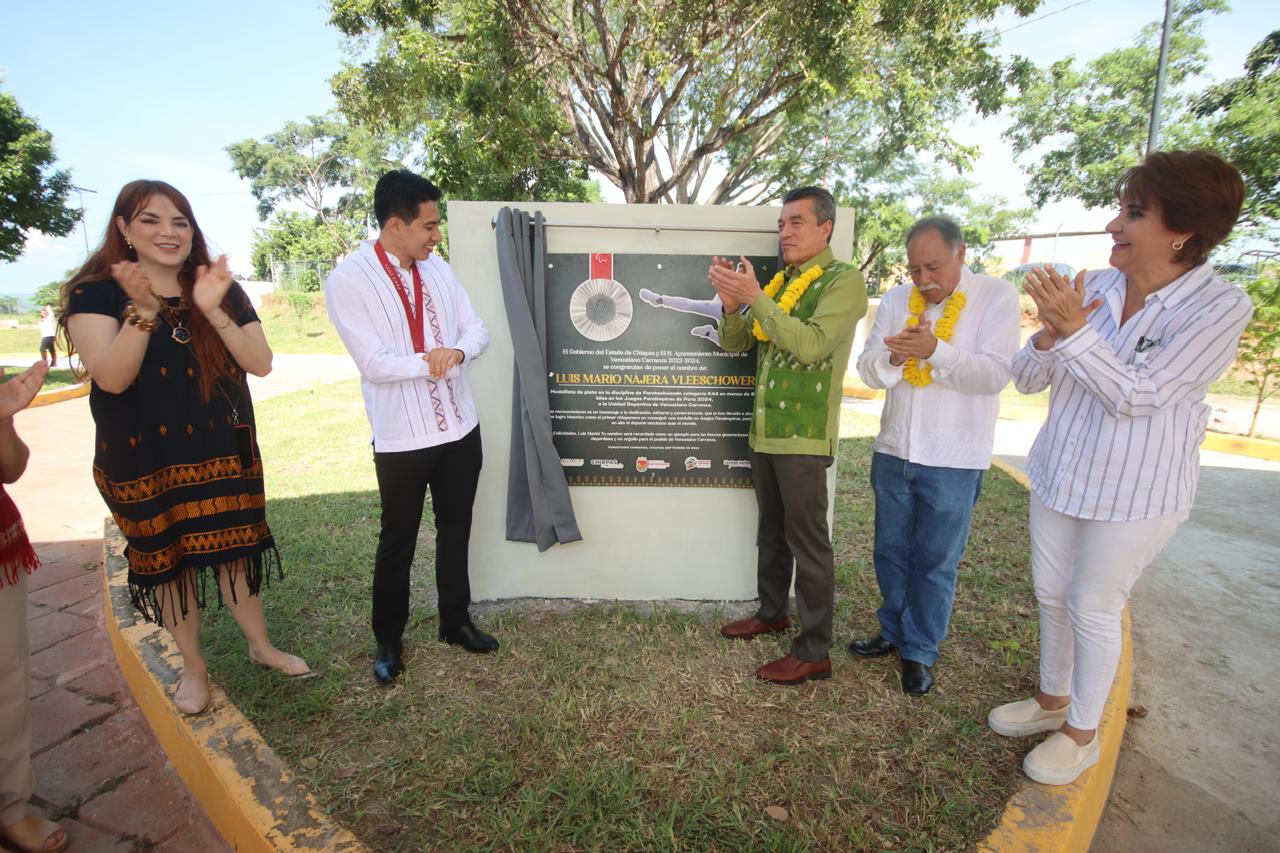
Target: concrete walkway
(1200, 770)
(98, 767)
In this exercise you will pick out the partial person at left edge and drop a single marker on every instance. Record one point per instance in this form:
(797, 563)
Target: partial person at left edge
(21, 828)
(168, 339)
(410, 328)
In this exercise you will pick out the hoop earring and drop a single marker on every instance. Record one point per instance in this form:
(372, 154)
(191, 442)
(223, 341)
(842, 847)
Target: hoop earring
(1178, 244)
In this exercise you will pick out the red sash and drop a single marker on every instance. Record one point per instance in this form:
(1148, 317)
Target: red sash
(415, 318)
(16, 553)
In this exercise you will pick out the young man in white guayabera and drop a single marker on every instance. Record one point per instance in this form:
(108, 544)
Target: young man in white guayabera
(803, 321)
(942, 349)
(410, 328)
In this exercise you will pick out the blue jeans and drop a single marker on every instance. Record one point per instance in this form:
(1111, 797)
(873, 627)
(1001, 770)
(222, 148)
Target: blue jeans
(922, 526)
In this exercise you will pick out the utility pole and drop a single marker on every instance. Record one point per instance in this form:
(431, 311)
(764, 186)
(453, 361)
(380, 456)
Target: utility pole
(1153, 134)
(80, 191)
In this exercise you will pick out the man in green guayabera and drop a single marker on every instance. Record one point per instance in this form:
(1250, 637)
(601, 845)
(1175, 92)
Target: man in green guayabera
(803, 322)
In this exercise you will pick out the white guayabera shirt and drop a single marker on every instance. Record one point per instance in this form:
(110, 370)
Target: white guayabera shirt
(407, 409)
(951, 422)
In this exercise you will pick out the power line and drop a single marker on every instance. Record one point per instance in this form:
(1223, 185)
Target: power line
(1042, 17)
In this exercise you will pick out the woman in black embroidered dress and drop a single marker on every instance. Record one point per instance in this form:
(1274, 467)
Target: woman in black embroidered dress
(167, 337)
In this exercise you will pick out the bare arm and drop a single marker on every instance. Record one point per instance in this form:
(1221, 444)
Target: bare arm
(16, 395)
(247, 344)
(112, 351)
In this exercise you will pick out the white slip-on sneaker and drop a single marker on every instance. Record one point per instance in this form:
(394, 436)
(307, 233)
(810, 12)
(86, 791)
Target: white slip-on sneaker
(1058, 761)
(1019, 719)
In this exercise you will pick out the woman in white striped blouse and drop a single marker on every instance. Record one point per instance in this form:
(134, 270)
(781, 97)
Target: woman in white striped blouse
(1129, 354)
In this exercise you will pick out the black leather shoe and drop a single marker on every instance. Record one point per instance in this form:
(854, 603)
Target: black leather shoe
(470, 638)
(387, 666)
(873, 647)
(916, 678)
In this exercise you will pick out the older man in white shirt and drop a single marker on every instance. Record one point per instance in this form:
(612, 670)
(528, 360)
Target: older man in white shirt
(411, 330)
(941, 348)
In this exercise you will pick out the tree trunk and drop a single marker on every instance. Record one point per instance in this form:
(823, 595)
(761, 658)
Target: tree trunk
(1257, 406)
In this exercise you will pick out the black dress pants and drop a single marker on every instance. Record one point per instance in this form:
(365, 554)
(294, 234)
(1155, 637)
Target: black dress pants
(451, 472)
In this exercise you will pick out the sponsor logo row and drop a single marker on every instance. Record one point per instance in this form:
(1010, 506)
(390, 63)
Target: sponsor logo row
(644, 463)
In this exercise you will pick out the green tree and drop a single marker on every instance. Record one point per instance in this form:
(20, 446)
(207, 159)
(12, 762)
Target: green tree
(1259, 354)
(323, 164)
(884, 213)
(1082, 128)
(48, 294)
(296, 236)
(32, 197)
(1244, 126)
(671, 100)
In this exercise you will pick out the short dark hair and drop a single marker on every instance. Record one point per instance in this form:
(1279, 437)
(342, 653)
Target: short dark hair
(824, 205)
(946, 227)
(400, 194)
(1197, 192)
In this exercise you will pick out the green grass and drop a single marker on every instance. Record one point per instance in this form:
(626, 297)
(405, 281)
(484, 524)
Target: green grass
(297, 323)
(610, 726)
(58, 377)
(22, 339)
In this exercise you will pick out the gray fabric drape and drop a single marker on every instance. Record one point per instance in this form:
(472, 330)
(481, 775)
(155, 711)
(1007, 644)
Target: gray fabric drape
(538, 505)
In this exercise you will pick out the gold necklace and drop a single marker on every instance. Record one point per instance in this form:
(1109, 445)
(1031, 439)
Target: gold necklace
(173, 317)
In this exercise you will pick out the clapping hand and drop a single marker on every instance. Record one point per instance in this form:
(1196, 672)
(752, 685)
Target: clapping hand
(212, 284)
(18, 392)
(916, 341)
(133, 280)
(735, 287)
(1059, 303)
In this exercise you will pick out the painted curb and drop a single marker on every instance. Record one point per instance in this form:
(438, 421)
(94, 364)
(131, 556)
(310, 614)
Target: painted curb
(1043, 818)
(48, 398)
(248, 793)
(1258, 448)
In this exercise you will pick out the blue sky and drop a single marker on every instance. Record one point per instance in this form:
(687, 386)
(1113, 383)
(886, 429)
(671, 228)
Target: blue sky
(149, 89)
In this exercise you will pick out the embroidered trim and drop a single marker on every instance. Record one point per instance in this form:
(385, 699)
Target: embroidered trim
(790, 297)
(164, 560)
(175, 476)
(191, 509)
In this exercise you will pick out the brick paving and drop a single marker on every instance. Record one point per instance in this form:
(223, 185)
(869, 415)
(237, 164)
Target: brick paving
(99, 770)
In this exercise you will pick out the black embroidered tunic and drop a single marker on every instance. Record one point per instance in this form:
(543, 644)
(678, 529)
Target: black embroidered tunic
(169, 467)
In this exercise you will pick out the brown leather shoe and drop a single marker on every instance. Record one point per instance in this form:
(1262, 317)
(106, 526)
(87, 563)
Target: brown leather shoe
(792, 670)
(745, 629)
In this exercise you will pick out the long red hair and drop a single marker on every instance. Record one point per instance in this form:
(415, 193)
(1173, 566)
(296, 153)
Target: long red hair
(215, 361)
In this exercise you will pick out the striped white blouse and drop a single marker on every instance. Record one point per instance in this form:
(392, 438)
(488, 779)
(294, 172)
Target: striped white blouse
(407, 409)
(1127, 411)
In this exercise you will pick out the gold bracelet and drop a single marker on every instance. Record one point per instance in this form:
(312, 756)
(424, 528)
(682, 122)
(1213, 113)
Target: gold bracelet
(133, 318)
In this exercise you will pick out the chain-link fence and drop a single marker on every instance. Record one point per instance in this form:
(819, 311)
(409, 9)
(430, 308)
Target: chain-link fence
(301, 276)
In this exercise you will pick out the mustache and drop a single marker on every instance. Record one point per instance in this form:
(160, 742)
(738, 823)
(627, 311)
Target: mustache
(925, 288)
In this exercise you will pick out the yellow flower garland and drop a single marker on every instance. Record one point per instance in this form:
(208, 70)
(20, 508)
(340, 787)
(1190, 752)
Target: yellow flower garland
(913, 371)
(790, 297)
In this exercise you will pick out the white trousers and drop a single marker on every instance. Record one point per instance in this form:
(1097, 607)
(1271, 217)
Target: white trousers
(16, 781)
(1083, 571)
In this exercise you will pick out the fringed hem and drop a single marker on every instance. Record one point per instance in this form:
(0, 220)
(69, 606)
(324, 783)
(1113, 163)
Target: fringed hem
(25, 560)
(153, 600)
